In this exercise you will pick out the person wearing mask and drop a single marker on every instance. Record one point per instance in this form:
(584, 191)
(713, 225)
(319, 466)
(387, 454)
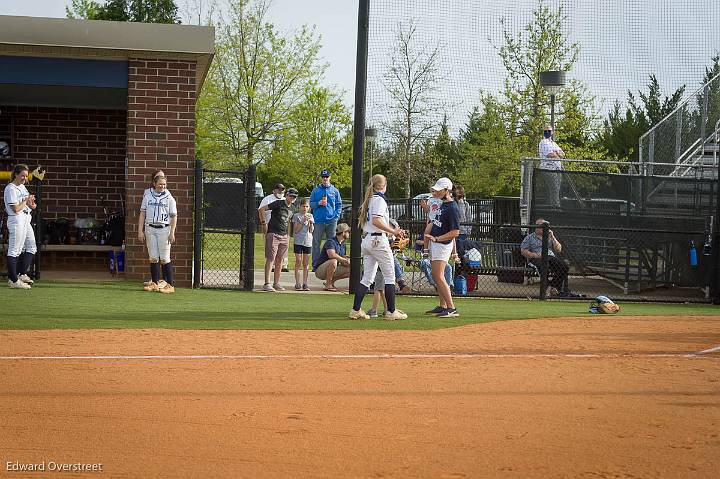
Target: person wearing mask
(278, 193)
(440, 234)
(374, 220)
(550, 154)
(277, 240)
(326, 206)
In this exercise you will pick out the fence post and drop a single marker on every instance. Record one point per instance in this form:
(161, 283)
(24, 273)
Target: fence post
(198, 225)
(251, 217)
(678, 134)
(544, 261)
(704, 115)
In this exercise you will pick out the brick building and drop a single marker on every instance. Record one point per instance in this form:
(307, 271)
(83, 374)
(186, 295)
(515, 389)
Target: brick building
(101, 105)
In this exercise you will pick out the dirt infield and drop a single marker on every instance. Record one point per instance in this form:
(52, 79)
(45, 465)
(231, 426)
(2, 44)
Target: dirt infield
(591, 398)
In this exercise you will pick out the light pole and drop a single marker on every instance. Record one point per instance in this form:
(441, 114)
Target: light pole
(370, 136)
(552, 81)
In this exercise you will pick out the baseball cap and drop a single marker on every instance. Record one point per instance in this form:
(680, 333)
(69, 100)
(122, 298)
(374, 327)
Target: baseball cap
(442, 184)
(325, 173)
(279, 186)
(341, 228)
(291, 192)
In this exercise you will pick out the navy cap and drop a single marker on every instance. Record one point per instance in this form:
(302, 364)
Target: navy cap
(291, 192)
(325, 173)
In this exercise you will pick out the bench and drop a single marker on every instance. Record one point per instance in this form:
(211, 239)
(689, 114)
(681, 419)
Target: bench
(503, 260)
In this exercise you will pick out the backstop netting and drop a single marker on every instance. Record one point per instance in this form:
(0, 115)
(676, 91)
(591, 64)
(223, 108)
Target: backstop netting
(621, 43)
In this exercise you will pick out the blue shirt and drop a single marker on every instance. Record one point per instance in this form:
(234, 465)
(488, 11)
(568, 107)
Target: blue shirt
(332, 210)
(533, 243)
(447, 220)
(331, 243)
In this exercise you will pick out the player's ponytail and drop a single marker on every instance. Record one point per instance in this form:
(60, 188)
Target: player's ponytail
(376, 184)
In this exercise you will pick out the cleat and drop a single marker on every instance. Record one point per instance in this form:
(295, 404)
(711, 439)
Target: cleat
(357, 315)
(435, 310)
(152, 286)
(26, 279)
(18, 285)
(168, 289)
(395, 315)
(268, 287)
(372, 313)
(449, 313)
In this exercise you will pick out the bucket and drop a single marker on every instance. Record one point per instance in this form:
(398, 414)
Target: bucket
(472, 282)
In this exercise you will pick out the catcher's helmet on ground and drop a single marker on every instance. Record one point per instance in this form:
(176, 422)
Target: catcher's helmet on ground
(604, 305)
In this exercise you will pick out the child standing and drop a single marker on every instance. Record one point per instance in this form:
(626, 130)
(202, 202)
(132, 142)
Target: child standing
(303, 226)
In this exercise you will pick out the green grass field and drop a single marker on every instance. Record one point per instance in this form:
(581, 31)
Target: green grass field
(61, 305)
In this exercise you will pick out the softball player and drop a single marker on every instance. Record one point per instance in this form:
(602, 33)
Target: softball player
(19, 204)
(441, 232)
(156, 226)
(374, 219)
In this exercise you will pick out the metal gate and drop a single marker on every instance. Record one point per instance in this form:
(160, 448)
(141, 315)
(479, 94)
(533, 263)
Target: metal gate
(224, 229)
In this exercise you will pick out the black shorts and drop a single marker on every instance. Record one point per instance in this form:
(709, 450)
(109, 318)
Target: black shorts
(300, 249)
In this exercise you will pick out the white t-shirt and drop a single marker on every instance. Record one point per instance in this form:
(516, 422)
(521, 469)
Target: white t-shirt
(547, 146)
(14, 195)
(271, 198)
(158, 207)
(376, 208)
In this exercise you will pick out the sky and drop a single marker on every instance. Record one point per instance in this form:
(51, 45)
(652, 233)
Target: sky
(335, 21)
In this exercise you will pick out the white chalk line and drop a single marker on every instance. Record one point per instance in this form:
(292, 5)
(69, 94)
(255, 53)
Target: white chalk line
(708, 351)
(368, 356)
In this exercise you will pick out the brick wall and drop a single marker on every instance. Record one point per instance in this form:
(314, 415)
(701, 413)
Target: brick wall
(83, 152)
(161, 135)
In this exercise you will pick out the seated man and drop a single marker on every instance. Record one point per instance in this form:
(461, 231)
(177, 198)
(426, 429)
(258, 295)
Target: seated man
(531, 248)
(332, 264)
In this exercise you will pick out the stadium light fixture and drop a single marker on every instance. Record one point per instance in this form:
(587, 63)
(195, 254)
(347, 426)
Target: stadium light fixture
(552, 81)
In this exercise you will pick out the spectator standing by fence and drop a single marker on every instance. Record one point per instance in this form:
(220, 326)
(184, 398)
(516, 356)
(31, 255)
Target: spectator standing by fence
(550, 154)
(463, 210)
(277, 239)
(440, 234)
(303, 225)
(326, 206)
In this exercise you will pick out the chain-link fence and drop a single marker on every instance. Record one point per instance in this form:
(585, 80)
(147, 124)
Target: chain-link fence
(225, 222)
(686, 136)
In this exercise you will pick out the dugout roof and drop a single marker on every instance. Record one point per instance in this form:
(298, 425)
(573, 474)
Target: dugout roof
(80, 63)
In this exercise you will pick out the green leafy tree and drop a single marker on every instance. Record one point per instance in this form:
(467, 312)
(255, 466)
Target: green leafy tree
(507, 127)
(256, 80)
(147, 11)
(318, 135)
(622, 131)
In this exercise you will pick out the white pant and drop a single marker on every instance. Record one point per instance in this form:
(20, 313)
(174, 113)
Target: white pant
(20, 235)
(158, 245)
(377, 254)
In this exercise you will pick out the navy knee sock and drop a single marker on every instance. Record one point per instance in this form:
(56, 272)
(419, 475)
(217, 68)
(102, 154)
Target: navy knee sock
(390, 297)
(359, 295)
(155, 272)
(12, 262)
(24, 262)
(167, 271)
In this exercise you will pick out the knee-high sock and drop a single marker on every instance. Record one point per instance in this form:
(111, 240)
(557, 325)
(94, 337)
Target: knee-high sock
(390, 297)
(155, 272)
(24, 262)
(167, 271)
(12, 262)
(359, 295)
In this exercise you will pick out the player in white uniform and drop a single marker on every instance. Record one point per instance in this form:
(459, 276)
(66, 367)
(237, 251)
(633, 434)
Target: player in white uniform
(374, 219)
(156, 226)
(19, 204)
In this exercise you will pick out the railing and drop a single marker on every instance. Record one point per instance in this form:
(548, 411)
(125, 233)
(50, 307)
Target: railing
(680, 137)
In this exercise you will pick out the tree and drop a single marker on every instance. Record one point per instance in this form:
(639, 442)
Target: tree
(506, 127)
(255, 81)
(621, 133)
(147, 11)
(411, 81)
(318, 135)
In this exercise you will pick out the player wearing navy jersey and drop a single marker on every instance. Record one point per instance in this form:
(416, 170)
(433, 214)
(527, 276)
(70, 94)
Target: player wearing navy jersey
(156, 226)
(374, 219)
(440, 234)
(19, 204)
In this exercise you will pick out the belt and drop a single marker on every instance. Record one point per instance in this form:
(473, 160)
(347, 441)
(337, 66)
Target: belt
(157, 226)
(373, 234)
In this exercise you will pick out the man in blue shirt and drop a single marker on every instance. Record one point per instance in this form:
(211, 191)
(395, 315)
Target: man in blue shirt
(326, 206)
(332, 264)
(531, 248)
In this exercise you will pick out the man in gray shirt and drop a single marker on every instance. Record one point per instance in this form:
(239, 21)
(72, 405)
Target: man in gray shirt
(531, 248)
